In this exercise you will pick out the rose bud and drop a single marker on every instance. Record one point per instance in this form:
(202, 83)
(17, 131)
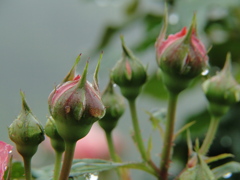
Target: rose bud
(51, 131)
(129, 74)
(222, 90)
(75, 105)
(115, 107)
(26, 132)
(181, 57)
(5, 153)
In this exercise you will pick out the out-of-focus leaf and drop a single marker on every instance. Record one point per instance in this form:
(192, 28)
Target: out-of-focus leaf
(108, 33)
(202, 120)
(218, 157)
(44, 173)
(17, 170)
(155, 88)
(132, 7)
(230, 167)
(152, 24)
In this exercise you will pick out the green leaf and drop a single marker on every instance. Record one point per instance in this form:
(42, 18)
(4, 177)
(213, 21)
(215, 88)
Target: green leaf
(185, 127)
(84, 166)
(149, 148)
(230, 167)
(218, 157)
(17, 170)
(189, 143)
(199, 172)
(155, 88)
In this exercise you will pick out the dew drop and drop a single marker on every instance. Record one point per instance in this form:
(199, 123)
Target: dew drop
(114, 85)
(227, 175)
(205, 72)
(173, 19)
(91, 176)
(10, 151)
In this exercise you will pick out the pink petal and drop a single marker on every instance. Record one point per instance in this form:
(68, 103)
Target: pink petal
(198, 46)
(63, 88)
(171, 39)
(5, 150)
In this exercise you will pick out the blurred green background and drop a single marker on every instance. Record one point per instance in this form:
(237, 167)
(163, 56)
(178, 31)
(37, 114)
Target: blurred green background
(39, 41)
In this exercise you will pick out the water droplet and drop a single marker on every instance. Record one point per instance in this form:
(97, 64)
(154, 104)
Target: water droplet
(114, 85)
(227, 175)
(93, 177)
(173, 19)
(205, 72)
(10, 151)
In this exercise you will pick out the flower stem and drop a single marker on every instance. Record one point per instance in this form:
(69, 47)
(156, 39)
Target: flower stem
(57, 165)
(111, 146)
(168, 136)
(67, 161)
(27, 167)
(210, 135)
(122, 173)
(138, 137)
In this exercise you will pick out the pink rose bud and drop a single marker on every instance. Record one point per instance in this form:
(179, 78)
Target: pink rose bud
(129, 74)
(5, 152)
(75, 105)
(181, 56)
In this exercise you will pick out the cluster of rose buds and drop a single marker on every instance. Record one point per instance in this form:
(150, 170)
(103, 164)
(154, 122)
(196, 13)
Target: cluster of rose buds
(76, 104)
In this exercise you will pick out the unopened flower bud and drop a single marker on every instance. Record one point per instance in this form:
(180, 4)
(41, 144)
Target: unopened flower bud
(115, 107)
(57, 141)
(181, 57)
(26, 132)
(222, 90)
(129, 74)
(75, 105)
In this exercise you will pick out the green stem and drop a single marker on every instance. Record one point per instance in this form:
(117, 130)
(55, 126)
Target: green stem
(168, 136)
(122, 174)
(27, 167)
(111, 146)
(67, 161)
(210, 135)
(57, 165)
(138, 137)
